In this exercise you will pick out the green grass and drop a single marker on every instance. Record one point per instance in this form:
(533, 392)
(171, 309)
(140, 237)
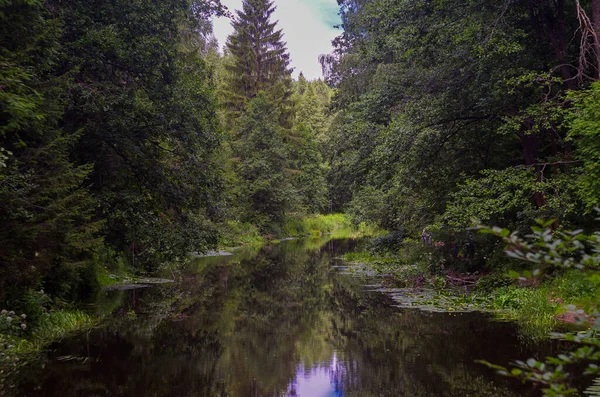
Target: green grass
(535, 308)
(58, 324)
(315, 225)
(530, 307)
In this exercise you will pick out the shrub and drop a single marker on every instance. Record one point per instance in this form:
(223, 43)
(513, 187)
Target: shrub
(389, 243)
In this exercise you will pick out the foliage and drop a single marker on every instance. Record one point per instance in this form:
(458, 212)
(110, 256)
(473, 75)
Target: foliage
(236, 233)
(447, 111)
(506, 197)
(583, 123)
(46, 210)
(152, 131)
(315, 225)
(11, 323)
(547, 249)
(389, 243)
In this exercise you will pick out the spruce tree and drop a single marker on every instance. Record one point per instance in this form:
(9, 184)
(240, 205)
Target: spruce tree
(260, 60)
(262, 165)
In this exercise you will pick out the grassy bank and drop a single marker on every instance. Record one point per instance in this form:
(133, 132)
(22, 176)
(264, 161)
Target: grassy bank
(22, 340)
(314, 225)
(235, 233)
(538, 305)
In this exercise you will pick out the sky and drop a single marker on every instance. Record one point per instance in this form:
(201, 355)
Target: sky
(307, 27)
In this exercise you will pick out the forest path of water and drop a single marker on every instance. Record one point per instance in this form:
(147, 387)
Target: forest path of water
(283, 321)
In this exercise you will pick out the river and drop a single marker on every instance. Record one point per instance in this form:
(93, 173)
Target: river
(280, 321)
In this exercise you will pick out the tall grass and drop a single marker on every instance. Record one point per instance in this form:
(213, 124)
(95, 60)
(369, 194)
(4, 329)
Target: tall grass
(315, 225)
(58, 324)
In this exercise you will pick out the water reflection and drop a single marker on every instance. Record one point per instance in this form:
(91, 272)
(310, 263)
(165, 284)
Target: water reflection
(320, 381)
(279, 322)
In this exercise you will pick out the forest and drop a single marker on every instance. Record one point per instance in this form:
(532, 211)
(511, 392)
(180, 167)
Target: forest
(464, 135)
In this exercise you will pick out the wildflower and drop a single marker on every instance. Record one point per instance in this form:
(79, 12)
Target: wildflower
(11, 313)
(23, 326)
(23, 316)
(9, 319)
(3, 312)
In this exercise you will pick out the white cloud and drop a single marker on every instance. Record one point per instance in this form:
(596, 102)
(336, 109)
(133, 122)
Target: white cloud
(305, 29)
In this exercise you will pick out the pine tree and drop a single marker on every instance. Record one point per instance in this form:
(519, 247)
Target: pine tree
(260, 61)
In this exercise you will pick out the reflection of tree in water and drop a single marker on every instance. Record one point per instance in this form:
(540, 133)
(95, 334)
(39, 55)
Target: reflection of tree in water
(283, 301)
(162, 360)
(412, 353)
(252, 326)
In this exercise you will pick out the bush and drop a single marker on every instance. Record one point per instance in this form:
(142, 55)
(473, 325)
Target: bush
(12, 324)
(387, 244)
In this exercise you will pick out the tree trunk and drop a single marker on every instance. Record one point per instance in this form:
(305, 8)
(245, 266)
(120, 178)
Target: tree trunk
(596, 27)
(553, 21)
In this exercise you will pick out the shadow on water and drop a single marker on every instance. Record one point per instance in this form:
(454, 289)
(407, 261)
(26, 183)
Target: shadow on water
(279, 321)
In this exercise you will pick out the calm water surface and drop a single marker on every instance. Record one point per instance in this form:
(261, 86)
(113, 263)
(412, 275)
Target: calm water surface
(282, 321)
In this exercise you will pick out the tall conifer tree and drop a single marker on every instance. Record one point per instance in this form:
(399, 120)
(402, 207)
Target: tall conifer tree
(261, 61)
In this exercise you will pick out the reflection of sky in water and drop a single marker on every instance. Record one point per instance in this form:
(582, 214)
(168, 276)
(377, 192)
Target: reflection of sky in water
(321, 381)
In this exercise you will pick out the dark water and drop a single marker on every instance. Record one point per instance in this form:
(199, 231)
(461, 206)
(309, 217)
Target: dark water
(278, 322)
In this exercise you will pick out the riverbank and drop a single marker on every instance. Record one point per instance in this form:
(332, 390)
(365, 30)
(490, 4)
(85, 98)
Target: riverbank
(23, 339)
(536, 304)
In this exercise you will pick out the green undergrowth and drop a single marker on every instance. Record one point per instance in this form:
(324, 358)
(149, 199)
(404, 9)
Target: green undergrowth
(537, 307)
(314, 225)
(236, 233)
(111, 268)
(106, 277)
(58, 324)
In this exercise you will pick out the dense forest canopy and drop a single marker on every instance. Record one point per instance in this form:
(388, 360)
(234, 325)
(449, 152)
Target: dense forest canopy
(127, 138)
(449, 111)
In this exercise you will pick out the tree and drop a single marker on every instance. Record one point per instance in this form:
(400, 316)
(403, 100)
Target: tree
(47, 227)
(431, 94)
(306, 140)
(260, 60)
(108, 131)
(262, 159)
(144, 101)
